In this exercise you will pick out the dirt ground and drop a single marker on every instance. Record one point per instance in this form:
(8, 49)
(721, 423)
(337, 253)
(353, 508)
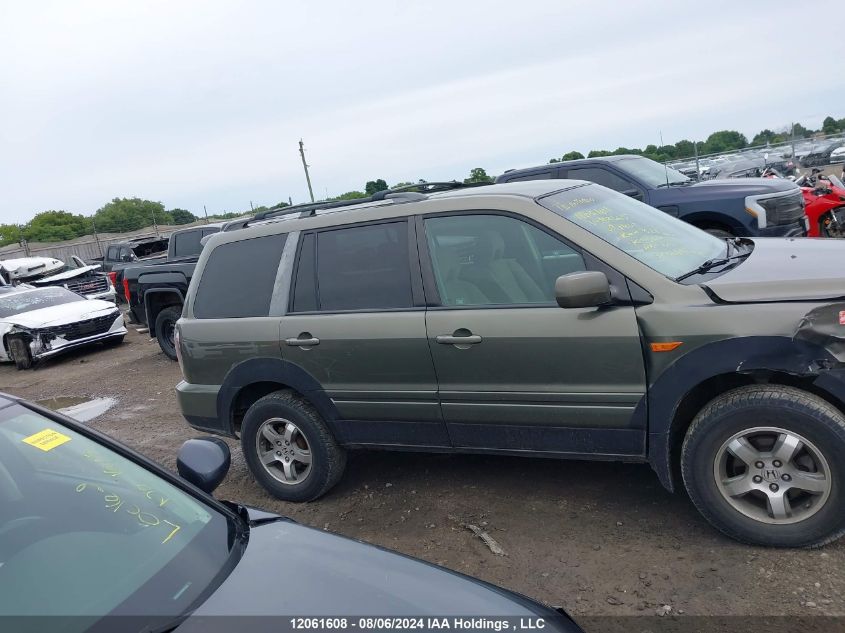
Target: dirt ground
(596, 538)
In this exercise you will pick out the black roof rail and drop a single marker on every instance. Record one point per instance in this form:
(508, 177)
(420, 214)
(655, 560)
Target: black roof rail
(406, 193)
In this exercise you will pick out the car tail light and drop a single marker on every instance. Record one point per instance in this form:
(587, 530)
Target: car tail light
(177, 344)
(112, 278)
(126, 289)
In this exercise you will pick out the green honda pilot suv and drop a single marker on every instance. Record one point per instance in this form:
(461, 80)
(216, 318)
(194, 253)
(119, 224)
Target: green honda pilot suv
(540, 318)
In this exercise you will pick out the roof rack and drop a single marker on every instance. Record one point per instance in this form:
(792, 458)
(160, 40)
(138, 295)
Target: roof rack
(406, 193)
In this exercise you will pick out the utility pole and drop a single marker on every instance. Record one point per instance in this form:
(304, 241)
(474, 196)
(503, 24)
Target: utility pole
(697, 166)
(206, 213)
(96, 237)
(305, 166)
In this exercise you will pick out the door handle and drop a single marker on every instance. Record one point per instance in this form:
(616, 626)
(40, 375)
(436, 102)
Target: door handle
(304, 340)
(472, 339)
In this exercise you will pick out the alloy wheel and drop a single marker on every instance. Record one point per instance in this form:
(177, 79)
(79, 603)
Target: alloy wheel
(283, 451)
(772, 475)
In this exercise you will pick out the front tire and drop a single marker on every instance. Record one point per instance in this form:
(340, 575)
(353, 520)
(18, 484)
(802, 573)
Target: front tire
(765, 464)
(19, 352)
(289, 448)
(166, 330)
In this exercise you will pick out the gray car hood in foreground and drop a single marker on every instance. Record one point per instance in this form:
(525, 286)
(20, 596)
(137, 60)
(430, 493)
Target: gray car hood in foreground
(292, 570)
(793, 269)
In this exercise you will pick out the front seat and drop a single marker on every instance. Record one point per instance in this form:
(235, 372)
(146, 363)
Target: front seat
(502, 280)
(456, 291)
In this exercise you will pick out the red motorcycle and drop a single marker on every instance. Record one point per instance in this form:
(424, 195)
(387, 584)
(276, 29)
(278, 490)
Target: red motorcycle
(824, 204)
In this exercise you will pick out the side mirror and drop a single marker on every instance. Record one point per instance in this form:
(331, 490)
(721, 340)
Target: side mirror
(204, 462)
(587, 289)
(636, 194)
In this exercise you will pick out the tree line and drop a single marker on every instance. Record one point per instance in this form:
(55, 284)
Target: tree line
(130, 214)
(721, 141)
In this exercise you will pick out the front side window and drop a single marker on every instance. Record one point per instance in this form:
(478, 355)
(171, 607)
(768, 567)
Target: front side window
(659, 241)
(238, 279)
(85, 531)
(496, 260)
(356, 268)
(601, 177)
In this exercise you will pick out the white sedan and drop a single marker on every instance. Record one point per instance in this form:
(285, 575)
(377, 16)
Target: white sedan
(40, 323)
(838, 155)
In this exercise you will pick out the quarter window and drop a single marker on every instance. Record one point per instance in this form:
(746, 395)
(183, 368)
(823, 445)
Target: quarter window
(238, 279)
(496, 260)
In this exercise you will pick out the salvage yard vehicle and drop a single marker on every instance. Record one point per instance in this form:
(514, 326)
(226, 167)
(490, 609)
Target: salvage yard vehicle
(824, 199)
(156, 292)
(539, 318)
(121, 254)
(76, 275)
(119, 543)
(41, 323)
(725, 208)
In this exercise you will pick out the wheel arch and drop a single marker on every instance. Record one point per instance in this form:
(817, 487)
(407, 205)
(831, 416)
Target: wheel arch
(158, 299)
(714, 220)
(255, 378)
(695, 379)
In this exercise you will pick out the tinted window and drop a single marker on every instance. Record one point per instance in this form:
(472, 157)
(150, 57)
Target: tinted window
(364, 267)
(238, 279)
(187, 243)
(600, 177)
(495, 259)
(112, 253)
(305, 285)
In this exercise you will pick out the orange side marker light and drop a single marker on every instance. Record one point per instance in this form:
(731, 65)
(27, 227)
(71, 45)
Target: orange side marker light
(666, 347)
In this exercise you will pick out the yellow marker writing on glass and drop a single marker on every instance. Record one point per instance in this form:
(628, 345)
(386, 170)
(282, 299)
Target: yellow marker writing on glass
(47, 440)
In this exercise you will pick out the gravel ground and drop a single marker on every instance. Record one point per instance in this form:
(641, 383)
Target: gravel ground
(600, 539)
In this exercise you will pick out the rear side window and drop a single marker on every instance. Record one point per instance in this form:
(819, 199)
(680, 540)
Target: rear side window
(113, 253)
(355, 268)
(238, 279)
(187, 243)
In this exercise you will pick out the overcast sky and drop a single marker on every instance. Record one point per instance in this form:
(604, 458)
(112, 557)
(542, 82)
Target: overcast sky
(204, 102)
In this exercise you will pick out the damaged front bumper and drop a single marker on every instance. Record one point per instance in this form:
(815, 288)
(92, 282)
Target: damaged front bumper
(49, 341)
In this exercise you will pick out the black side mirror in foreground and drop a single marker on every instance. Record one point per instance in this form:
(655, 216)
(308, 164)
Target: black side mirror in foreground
(204, 462)
(587, 289)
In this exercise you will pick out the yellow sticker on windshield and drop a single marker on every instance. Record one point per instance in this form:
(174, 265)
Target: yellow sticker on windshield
(47, 440)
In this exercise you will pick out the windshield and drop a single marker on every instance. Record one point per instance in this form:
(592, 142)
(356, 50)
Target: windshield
(87, 532)
(659, 241)
(652, 173)
(28, 301)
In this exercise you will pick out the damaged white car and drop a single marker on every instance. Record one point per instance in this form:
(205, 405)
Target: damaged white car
(40, 323)
(76, 275)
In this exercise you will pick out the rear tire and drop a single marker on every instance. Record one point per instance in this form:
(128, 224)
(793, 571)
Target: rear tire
(289, 448)
(765, 465)
(166, 328)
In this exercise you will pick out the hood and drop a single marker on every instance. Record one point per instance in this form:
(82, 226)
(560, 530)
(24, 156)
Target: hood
(62, 314)
(800, 269)
(707, 191)
(25, 267)
(67, 274)
(289, 569)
